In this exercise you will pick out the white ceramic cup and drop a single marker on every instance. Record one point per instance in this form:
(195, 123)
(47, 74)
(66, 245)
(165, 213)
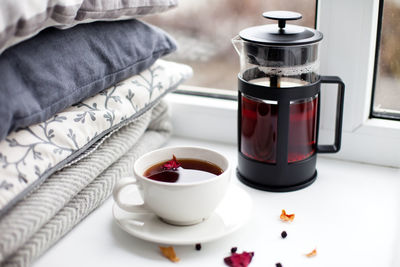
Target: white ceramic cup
(176, 203)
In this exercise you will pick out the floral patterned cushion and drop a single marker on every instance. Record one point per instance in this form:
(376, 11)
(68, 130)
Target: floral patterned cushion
(32, 154)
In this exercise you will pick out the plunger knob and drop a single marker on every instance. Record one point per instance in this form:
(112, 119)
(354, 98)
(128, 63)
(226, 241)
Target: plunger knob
(282, 17)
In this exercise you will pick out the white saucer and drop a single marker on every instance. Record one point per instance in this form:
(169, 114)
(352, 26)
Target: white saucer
(230, 215)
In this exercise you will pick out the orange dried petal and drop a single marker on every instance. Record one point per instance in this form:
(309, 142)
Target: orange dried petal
(169, 253)
(286, 217)
(312, 253)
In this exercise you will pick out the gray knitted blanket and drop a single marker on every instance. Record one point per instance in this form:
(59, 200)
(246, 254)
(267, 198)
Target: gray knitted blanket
(68, 196)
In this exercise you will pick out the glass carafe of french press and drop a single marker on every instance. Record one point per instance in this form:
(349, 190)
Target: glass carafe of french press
(279, 102)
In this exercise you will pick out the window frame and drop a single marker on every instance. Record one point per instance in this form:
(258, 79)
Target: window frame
(364, 139)
(384, 114)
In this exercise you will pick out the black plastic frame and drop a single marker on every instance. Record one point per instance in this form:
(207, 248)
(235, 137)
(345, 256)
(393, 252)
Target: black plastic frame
(283, 176)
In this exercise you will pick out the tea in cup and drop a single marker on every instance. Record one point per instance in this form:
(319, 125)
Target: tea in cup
(181, 185)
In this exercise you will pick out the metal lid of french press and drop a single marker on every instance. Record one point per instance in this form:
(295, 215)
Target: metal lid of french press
(281, 33)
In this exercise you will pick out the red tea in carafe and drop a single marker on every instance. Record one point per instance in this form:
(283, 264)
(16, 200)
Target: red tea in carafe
(302, 129)
(259, 129)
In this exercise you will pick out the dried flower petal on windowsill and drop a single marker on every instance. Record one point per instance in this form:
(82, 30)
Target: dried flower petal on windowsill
(169, 253)
(286, 217)
(312, 253)
(172, 164)
(239, 259)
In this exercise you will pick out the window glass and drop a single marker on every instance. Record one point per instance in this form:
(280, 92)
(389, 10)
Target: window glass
(386, 101)
(204, 30)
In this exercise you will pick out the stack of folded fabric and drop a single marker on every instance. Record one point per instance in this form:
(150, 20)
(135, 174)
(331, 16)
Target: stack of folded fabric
(78, 106)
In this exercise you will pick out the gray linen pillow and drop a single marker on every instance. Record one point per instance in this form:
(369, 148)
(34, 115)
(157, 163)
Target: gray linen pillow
(58, 68)
(21, 19)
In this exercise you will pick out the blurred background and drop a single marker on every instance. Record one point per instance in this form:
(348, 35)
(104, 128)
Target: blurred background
(204, 29)
(387, 87)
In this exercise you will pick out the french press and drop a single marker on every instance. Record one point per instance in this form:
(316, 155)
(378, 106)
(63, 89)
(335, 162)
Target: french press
(279, 104)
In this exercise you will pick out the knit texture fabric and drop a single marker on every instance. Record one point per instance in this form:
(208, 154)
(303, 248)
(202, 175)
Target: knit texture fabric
(69, 195)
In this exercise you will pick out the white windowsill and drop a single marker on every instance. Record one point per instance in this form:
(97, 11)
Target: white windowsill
(350, 215)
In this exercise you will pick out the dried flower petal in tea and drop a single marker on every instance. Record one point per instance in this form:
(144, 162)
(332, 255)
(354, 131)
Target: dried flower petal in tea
(172, 164)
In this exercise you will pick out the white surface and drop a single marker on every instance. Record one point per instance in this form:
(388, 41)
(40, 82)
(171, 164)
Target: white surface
(222, 222)
(204, 117)
(350, 215)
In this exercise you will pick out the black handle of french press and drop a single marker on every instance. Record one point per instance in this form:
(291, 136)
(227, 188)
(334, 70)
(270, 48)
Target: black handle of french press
(339, 115)
(282, 17)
